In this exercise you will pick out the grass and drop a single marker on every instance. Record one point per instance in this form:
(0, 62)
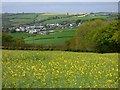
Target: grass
(89, 17)
(74, 19)
(61, 20)
(58, 69)
(17, 19)
(46, 16)
(20, 16)
(20, 35)
(49, 41)
(21, 21)
(56, 38)
(27, 18)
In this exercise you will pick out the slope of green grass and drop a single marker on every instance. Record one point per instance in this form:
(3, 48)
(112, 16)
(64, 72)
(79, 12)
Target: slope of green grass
(17, 19)
(89, 17)
(56, 38)
(74, 19)
(20, 35)
(46, 16)
(27, 18)
(58, 69)
(20, 16)
(21, 21)
(70, 20)
(49, 41)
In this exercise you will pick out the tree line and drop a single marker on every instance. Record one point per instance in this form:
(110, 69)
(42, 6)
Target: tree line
(96, 36)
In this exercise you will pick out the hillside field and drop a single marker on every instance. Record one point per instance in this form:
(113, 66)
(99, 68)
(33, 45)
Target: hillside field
(55, 38)
(59, 37)
(27, 18)
(58, 69)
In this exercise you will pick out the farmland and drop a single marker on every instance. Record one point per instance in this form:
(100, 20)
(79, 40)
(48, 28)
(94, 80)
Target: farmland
(59, 36)
(63, 45)
(55, 38)
(27, 18)
(59, 69)
(87, 17)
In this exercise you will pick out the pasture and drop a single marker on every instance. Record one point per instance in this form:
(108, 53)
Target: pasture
(31, 18)
(27, 18)
(74, 19)
(58, 37)
(55, 38)
(59, 69)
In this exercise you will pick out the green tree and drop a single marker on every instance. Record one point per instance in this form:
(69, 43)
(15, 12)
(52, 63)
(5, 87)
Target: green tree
(98, 36)
(6, 39)
(107, 39)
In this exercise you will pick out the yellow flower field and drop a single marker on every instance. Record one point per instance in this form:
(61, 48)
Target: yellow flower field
(58, 69)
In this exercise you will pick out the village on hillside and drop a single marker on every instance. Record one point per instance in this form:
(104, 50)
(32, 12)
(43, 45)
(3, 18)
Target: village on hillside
(48, 28)
(45, 28)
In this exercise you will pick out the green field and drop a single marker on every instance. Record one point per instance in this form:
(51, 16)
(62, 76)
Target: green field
(58, 69)
(49, 41)
(27, 18)
(20, 35)
(31, 18)
(74, 19)
(35, 18)
(17, 19)
(59, 37)
(55, 38)
(46, 16)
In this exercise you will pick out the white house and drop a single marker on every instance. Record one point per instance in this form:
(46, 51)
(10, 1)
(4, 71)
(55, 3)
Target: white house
(17, 30)
(33, 31)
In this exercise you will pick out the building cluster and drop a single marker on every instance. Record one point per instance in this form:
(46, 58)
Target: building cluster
(45, 29)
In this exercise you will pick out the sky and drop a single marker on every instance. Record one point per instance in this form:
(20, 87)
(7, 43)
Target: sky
(59, 0)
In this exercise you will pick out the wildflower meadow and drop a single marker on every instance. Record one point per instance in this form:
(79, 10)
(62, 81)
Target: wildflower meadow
(58, 69)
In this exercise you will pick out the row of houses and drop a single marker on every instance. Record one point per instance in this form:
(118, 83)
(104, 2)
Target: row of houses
(45, 29)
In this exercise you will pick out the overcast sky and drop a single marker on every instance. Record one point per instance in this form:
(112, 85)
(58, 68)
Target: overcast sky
(59, 0)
